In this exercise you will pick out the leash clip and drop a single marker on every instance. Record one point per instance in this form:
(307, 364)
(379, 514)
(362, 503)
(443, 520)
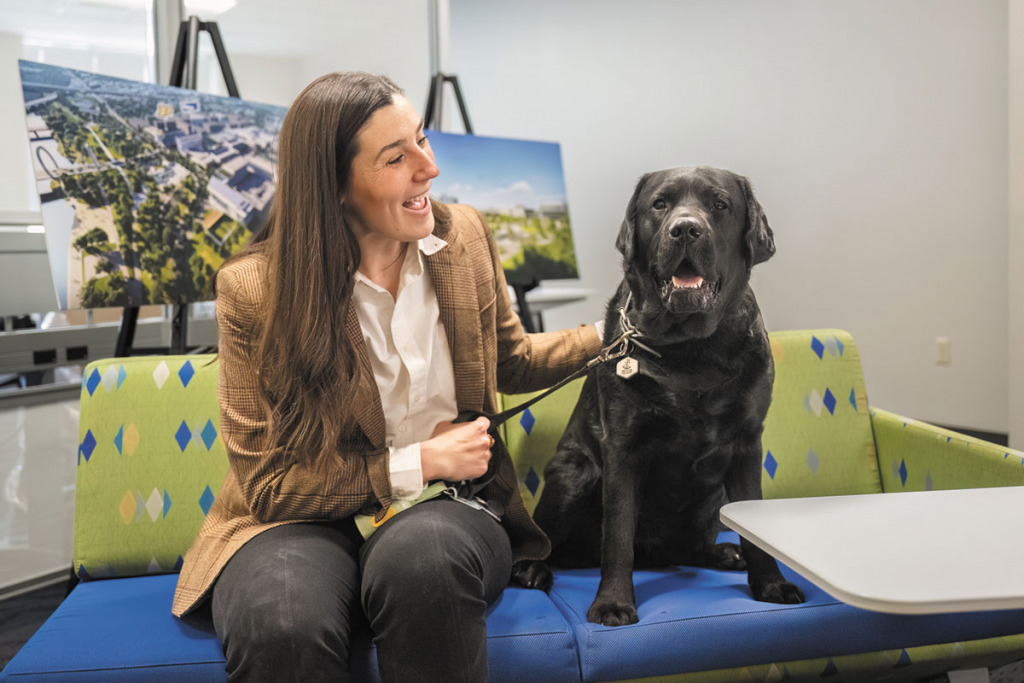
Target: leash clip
(617, 349)
(476, 502)
(631, 334)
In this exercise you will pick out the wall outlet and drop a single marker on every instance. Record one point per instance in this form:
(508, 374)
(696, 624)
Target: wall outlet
(942, 353)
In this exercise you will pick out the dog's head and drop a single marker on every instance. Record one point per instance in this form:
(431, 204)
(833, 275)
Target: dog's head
(689, 241)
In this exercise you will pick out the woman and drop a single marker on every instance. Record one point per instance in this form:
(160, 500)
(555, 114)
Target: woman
(352, 332)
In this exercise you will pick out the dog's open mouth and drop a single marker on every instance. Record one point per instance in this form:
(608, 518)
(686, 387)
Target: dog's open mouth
(689, 287)
(687, 277)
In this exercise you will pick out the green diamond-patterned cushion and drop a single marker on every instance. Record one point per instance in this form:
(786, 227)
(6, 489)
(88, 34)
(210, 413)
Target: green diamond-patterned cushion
(917, 456)
(817, 439)
(817, 435)
(141, 496)
(532, 436)
(150, 461)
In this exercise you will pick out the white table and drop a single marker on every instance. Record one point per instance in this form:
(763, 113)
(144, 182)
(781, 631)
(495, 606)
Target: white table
(548, 295)
(903, 553)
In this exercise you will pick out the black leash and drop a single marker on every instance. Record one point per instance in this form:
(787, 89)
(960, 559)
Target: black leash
(621, 348)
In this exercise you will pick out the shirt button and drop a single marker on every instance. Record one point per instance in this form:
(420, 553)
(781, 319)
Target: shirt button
(401, 428)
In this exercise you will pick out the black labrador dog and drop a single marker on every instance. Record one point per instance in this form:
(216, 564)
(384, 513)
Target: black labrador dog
(663, 437)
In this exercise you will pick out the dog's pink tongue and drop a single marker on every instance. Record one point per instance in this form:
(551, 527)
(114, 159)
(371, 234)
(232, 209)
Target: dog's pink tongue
(687, 282)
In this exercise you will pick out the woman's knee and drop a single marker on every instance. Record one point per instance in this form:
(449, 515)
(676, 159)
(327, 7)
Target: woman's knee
(285, 596)
(434, 550)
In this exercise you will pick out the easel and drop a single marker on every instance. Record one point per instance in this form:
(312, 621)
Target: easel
(432, 116)
(186, 54)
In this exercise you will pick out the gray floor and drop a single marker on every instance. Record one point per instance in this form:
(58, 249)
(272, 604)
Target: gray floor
(1011, 673)
(21, 616)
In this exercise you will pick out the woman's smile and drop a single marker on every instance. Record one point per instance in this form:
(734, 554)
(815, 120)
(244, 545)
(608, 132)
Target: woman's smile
(418, 204)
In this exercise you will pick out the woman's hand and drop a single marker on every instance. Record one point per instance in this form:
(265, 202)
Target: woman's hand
(456, 451)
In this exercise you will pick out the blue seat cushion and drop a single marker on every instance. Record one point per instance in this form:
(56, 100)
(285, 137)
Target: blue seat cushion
(122, 630)
(690, 620)
(700, 619)
(119, 630)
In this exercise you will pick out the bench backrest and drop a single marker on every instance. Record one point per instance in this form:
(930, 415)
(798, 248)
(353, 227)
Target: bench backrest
(151, 460)
(818, 439)
(817, 436)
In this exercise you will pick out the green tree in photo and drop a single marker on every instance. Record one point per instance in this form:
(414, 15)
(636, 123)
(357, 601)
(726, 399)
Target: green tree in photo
(103, 292)
(93, 242)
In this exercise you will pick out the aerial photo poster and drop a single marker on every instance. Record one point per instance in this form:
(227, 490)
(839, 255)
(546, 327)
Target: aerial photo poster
(519, 188)
(145, 189)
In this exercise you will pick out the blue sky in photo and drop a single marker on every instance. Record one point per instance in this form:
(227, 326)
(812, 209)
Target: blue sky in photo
(494, 173)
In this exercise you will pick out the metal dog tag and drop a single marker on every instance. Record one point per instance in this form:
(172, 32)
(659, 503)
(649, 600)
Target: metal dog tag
(627, 367)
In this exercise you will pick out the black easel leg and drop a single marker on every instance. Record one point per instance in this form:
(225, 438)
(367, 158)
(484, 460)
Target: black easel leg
(454, 80)
(432, 115)
(179, 329)
(126, 333)
(222, 58)
(524, 308)
(178, 63)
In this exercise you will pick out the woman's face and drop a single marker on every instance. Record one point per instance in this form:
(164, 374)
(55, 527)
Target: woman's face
(390, 178)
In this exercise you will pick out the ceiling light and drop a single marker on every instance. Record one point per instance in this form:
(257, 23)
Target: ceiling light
(208, 7)
(122, 4)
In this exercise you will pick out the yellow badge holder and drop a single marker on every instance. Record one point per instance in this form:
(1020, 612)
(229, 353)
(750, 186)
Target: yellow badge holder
(367, 525)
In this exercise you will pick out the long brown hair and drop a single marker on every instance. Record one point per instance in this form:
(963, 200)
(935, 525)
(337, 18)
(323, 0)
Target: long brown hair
(305, 358)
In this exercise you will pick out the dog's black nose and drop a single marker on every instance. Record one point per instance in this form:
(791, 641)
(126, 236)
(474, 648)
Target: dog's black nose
(689, 227)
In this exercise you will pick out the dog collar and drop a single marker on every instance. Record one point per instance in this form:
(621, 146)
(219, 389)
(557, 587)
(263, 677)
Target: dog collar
(630, 334)
(621, 348)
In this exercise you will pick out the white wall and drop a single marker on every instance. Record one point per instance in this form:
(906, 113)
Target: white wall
(37, 505)
(874, 131)
(392, 40)
(1016, 236)
(270, 80)
(17, 191)
(398, 48)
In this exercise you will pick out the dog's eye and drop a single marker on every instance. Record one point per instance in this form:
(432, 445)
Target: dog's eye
(721, 206)
(660, 204)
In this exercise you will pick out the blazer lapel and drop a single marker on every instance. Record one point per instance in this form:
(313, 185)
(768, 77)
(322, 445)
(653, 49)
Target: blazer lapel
(455, 287)
(368, 410)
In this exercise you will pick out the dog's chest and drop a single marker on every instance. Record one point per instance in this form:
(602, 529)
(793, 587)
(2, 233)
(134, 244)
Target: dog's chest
(687, 399)
(686, 417)
(674, 510)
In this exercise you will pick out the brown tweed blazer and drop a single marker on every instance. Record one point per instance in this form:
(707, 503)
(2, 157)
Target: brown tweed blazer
(490, 352)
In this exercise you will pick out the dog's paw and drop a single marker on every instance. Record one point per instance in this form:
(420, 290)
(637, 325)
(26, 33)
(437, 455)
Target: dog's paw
(612, 613)
(779, 591)
(532, 574)
(725, 556)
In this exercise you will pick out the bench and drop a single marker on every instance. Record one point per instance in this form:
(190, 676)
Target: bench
(151, 460)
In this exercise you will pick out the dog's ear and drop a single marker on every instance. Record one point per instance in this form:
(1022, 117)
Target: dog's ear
(626, 241)
(759, 235)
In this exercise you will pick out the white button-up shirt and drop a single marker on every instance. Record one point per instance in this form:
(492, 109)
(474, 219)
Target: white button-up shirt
(411, 362)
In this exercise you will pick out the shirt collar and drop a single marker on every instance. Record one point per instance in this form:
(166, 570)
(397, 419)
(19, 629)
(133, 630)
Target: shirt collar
(431, 244)
(413, 264)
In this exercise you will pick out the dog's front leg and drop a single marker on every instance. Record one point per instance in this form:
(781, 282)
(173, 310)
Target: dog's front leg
(743, 482)
(615, 604)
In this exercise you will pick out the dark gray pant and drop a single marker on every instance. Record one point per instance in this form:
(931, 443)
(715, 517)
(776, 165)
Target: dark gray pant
(287, 603)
